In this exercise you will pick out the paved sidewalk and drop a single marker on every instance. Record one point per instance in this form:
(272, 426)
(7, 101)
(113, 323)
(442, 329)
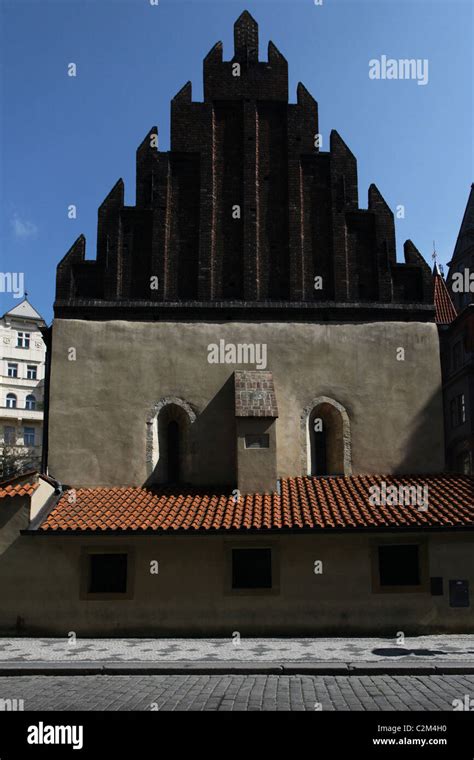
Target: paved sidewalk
(443, 653)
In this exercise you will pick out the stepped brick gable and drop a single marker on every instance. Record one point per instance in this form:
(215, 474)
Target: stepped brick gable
(244, 209)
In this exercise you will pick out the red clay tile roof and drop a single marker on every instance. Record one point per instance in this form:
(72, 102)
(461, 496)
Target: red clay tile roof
(20, 489)
(304, 503)
(445, 311)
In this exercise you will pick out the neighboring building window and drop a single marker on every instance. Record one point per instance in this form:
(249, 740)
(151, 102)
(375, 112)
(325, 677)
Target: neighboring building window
(463, 463)
(453, 412)
(251, 568)
(31, 372)
(107, 574)
(11, 401)
(23, 340)
(12, 369)
(457, 410)
(29, 436)
(9, 434)
(257, 441)
(399, 565)
(30, 403)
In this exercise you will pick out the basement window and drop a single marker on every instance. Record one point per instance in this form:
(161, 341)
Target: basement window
(257, 441)
(251, 568)
(399, 565)
(107, 574)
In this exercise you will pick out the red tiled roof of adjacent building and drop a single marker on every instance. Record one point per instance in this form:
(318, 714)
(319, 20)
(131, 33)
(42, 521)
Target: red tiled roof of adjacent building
(20, 485)
(304, 503)
(20, 489)
(445, 311)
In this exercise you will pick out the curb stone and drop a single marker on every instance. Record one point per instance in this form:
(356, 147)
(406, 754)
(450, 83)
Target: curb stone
(85, 668)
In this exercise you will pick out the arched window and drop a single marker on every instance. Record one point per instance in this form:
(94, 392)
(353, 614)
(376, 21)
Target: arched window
(169, 457)
(326, 438)
(318, 443)
(173, 451)
(11, 401)
(30, 402)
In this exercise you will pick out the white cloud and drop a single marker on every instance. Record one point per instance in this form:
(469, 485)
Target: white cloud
(22, 228)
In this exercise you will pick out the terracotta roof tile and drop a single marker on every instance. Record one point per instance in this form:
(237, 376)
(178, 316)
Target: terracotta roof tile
(20, 489)
(445, 311)
(304, 503)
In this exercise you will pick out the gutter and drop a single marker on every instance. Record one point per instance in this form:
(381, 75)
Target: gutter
(190, 532)
(47, 333)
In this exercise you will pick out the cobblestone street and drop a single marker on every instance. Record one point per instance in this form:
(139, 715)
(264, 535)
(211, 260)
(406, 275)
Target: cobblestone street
(237, 692)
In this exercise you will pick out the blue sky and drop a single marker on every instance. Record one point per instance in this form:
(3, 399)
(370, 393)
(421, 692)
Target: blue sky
(67, 140)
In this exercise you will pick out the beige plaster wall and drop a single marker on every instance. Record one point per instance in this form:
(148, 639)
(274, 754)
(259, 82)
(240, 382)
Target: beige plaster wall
(100, 401)
(191, 594)
(256, 468)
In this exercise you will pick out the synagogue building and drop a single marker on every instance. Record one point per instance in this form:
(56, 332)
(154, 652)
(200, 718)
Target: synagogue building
(244, 387)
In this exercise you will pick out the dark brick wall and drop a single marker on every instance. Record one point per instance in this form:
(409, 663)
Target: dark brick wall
(245, 146)
(229, 187)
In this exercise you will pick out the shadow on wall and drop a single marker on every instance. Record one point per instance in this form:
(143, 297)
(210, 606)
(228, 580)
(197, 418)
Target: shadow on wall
(424, 452)
(14, 516)
(200, 453)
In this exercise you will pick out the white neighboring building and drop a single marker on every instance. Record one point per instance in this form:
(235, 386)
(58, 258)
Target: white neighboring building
(22, 371)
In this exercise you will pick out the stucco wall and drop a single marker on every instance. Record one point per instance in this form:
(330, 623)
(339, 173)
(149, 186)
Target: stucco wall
(100, 402)
(256, 468)
(191, 593)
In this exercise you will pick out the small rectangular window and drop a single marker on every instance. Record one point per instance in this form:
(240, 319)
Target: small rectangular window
(257, 441)
(23, 340)
(12, 369)
(31, 372)
(29, 436)
(251, 568)
(461, 409)
(399, 565)
(107, 574)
